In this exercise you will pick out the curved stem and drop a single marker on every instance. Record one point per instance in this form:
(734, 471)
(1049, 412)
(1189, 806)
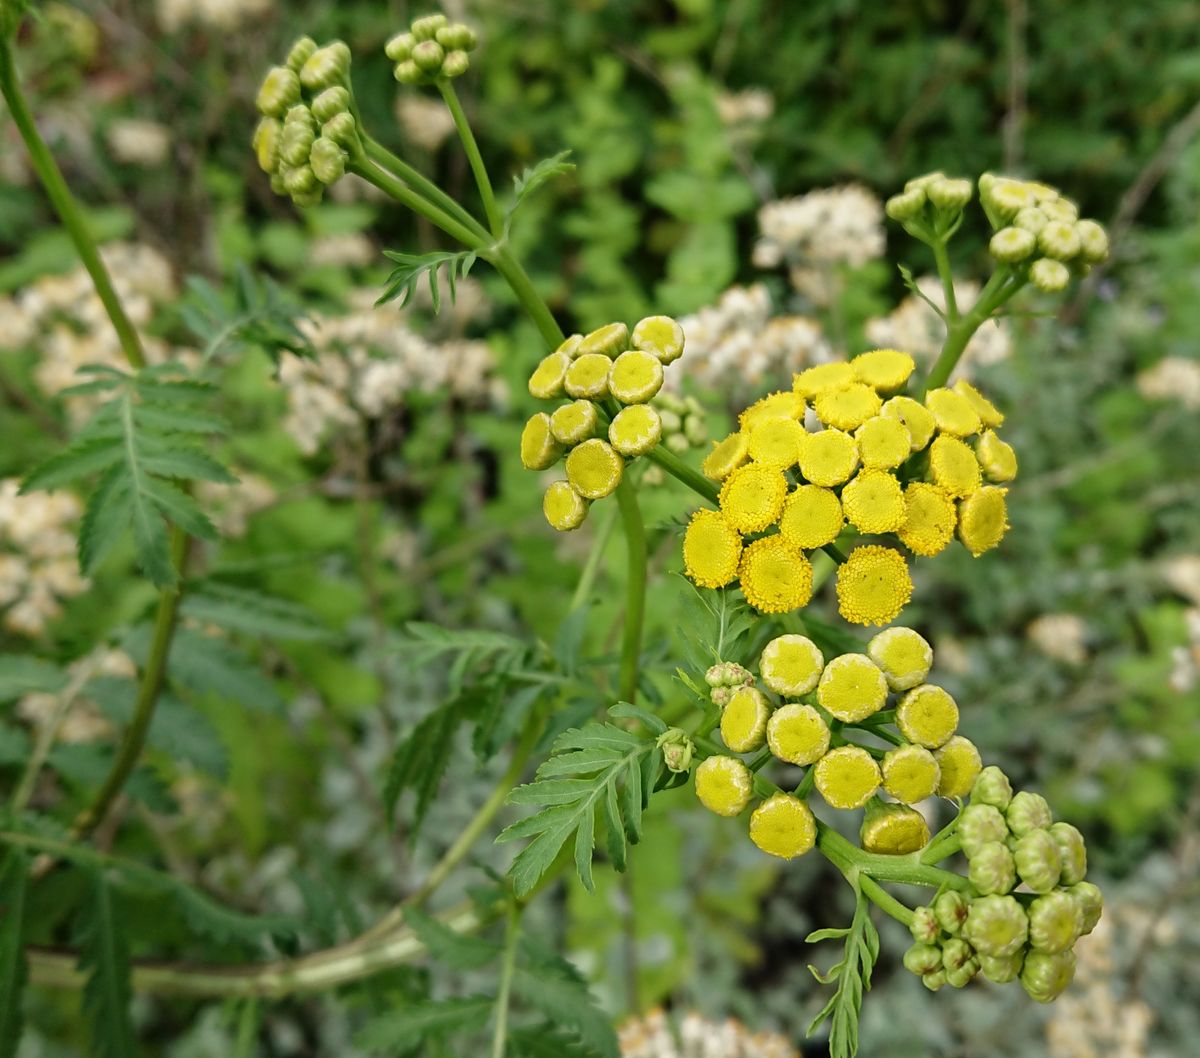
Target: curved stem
(884, 900)
(677, 468)
(528, 297)
(635, 592)
(507, 968)
(482, 180)
(392, 185)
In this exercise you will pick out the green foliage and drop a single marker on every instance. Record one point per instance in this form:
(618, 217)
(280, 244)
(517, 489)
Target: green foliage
(104, 958)
(534, 177)
(552, 985)
(420, 760)
(852, 975)
(14, 876)
(258, 315)
(253, 613)
(410, 268)
(21, 674)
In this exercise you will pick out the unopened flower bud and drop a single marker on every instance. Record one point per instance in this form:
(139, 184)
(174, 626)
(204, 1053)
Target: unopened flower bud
(1001, 969)
(1045, 976)
(326, 67)
(695, 430)
(426, 28)
(715, 676)
(905, 205)
(956, 953)
(309, 198)
(300, 180)
(950, 194)
(980, 824)
(964, 975)
(266, 144)
(457, 37)
(950, 909)
(924, 181)
(328, 160)
(277, 183)
(1055, 921)
(671, 421)
(1011, 245)
(677, 750)
(935, 980)
(992, 868)
(1061, 208)
(1049, 276)
(1093, 241)
(1091, 903)
(996, 925)
(922, 959)
(1038, 861)
(1031, 219)
(1027, 811)
(992, 788)
(400, 47)
(1058, 239)
(428, 55)
(1072, 850)
(280, 89)
(455, 64)
(783, 826)
(408, 72)
(341, 129)
(893, 829)
(677, 443)
(924, 926)
(295, 143)
(331, 102)
(300, 53)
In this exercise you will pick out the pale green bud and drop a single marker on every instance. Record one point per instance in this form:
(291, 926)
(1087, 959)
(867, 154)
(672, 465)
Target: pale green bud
(1061, 209)
(978, 825)
(266, 144)
(300, 53)
(332, 101)
(677, 749)
(956, 953)
(1028, 811)
(300, 180)
(295, 143)
(996, 925)
(280, 89)
(426, 28)
(328, 160)
(950, 909)
(1049, 276)
(1073, 851)
(715, 676)
(923, 183)
(428, 56)
(1093, 241)
(277, 183)
(1001, 969)
(924, 926)
(905, 205)
(950, 194)
(935, 980)
(671, 422)
(300, 115)
(1031, 219)
(677, 443)
(309, 198)
(455, 64)
(341, 129)
(408, 72)
(326, 67)
(668, 401)
(992, 788)
(1011, 245)
(992, 868)
(922, 959)
(457, 37)
(964, 975)
(985, 182)
(1055, 921)
(1091, 903)
(1038, 861)
(1058, 239)
(400, 47)
(1044, 976)
(695, 430)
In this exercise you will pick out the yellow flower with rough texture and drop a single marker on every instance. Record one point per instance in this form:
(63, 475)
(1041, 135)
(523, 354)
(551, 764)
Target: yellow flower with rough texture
(661, 336)
(996, 457)
(812, 517)
(848, 407)
(791, 665)
(798, 734)
(960, 766)
(635, 430)
(910, 773)
(953, 413)
(774, 577)
(744, 720)
(903, 656)
(929, 519)
(989, 414)
(783, 826)
(570, 346)
(546, 381)
(539, 449)
(983, 519)
(927, 716)
(712, 550)
(916, 417)
(726, 456)
(954, 467)
(874, 502)
(852, 688)
(847, 777)
(776, 442)
(883, 443)
(574, 422)
(594, 469)
(608, 340)
(752, 497)
(893, 830)
(814, 381)
(723, 785)
(779, 405)
(563, 507)
(884, 369)
(828, 457)
(873, 585)
(588, 376)
(635, 376)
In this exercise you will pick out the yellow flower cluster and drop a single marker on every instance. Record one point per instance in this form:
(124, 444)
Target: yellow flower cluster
(881, 462)
(608, 378)
(806, 715)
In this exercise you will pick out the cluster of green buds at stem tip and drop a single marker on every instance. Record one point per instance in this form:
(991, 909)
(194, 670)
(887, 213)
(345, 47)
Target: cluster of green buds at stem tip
(724, 678)
(308, 129)
(431, 48)
(684, 427)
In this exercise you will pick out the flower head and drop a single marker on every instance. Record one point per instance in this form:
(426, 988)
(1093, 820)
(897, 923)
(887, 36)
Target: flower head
(783, 826)
(776, 442)
(774, 577)
(873, 585)
(874, 502)
(954, 467)
(798, 734)
(812, 517)
(848, 407)
(885, 370)
(960, 766)
(635, 429)
(927, 716)
(823, 378)
(910, 774)
(904, 656)
(712, 550)
(587, 376)
(546, 382)
(828, 457)
(917, 419)
(574, 423)
(893, 830)
(791, 665)
(953, 413)
(744, 720)
(726, 456)
(563, 507)
(852, 687)
(847, 777)
(594, 468)
(930, 518)
(635, 376)
(883, 442)
(723, 785)
(983, 519)
(661, 336)
(752, 497)
(539, 449)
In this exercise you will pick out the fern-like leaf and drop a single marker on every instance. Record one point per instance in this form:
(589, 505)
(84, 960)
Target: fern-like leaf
(548, 982)
(406, 276)
(852, 976)
(257, 315)
(420, 760)
(104, 959)
(533, 178)
(14, 875)
(423, 1021)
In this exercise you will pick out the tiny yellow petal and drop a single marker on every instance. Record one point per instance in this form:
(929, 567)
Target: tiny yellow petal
(723, 785)
(783, 826)
(852, 687)
(812, 517)
(712, 550)
(774, 577)
(847, 777)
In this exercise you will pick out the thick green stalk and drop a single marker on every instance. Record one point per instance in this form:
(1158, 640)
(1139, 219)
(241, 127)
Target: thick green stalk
(482, 180)
(526, 294)
(507, 969)
(391, 184)
(942, 259)
(635, 590)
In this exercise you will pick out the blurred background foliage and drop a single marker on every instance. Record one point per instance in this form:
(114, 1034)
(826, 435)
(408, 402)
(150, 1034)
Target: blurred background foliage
(381, 484)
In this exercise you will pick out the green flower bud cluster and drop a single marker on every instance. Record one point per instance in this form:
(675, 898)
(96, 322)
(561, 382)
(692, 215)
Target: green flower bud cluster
(609, 378)
(431, 48)
(934, 199)
(302, 141)
(724, 678)
(684, 426)
(1010, 839)
(677, 750)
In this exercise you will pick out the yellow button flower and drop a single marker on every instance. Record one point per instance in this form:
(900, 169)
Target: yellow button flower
(635, 429)
(723, 785)
(883, 443)
(893, 830)
(783, 826)
(812, 517)
(776, 442)
(539, 449)
(960, 766)
(873, 585)
(954, 467)
(927, 716)
(989, 414)
(903, 655)
(711, 550)
(570, 346)
(744, 720)
(726, 456)
(661, 336)
(996, 457)
(915, 416)
(874, 502)
(574, 422)
(752, 497)
(563, 507)
(848, 407)
(594, 468)
(774, 577)
(791, 665)
(910, 773)
(852, 688)
(608, 340)
(820, 379)
(780, 405)
(954, 414)
(983, 519)
(828, 458)
(798, 734)
(847, 777)
(635, 377)
(546, 382)
(929, 519)
(884, 369)
(588, 376)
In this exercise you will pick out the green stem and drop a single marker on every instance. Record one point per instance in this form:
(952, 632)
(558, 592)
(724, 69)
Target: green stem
(507, 968)
(526, 294)
(885, 901)
(941, 849)
(392, 185)
(482, 181)
(635, 592)
(592, 566)
(942, 259)
(677, 468)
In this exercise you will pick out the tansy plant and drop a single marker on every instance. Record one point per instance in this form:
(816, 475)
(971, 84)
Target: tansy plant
(858, 466)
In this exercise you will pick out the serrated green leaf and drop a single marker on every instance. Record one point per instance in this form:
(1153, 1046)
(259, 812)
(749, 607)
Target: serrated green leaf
(14, 877)
(104, 960)
(221, 923)
(534, 177)
(547, 1041)
(427, 1020)
(258, 314)
(252, 612)
(78, 460)
(420, 760)
(556, 988)
(448, 947)
(103, 519)
(21, 674)
(852, 975)
(406, 276)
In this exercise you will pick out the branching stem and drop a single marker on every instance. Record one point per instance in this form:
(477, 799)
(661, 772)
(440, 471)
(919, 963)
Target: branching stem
(482, 180)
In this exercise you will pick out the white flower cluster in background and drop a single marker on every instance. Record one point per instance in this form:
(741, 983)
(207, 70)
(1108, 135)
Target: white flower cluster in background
(365, 362)
(38, 567)
(916, 328)
(1060, 636)
(653, 1036)
(135, 141)
(1185, 659)
(737, 343)
(1173, 378)
(1181, 573)
(425, 122)
(82, 720)
(224, 15)
(231, 506)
